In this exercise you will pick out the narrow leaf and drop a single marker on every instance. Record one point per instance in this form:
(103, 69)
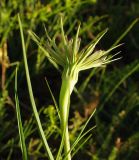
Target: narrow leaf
(54, 100)
(126, 31)
(20, 127)
(77, 149)
(35, 112)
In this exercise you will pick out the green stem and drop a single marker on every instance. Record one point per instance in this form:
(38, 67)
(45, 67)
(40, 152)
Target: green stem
(64, 112)
(35, 112)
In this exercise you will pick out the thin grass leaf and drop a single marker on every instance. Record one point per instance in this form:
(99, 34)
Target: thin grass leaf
(79, 95)
(47, 33)
(10, 78)
(80, 136)
(28, 127)
(54, 100)
(60, 149)
(79, 139)
(35, 112)
(11, 150)
(72, 25)
(126, 31)
(81, 145)
(134, 69)
(86, 81)
(92, 23)
(101, 78)
(85, 124)
(61, 145)
(20, 127)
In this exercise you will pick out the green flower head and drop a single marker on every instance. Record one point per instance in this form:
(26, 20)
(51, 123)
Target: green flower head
(67, 54)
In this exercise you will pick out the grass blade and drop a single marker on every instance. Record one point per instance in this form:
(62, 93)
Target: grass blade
(77, 149)
(86, 124)
(35, 112)
(54, 100)
(20, 127)
(79, 139)
(134, 69)
(126, 31)
(81, 135)
(86, 81)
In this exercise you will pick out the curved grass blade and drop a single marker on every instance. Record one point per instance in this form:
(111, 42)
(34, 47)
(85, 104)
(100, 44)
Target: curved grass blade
(86, 81)
(54, 100)
(61, 146)
(86, 124)
(134, 69)
(81, 135)
(11, 150)
(77, 140)
(35, 112)
(77, 149)
(126, 31)
(20, 127)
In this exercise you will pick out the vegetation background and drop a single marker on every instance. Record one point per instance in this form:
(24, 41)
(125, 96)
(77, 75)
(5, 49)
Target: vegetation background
(113, 90)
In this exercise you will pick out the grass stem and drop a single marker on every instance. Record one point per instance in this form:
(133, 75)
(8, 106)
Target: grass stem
(35, 112)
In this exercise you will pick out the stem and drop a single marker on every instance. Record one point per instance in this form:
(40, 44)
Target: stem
(64, 112)
(35, 112)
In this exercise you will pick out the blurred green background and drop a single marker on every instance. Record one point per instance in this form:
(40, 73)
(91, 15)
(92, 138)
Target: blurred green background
(113, 90)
